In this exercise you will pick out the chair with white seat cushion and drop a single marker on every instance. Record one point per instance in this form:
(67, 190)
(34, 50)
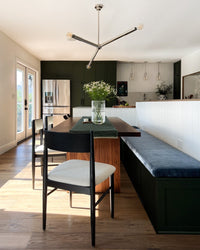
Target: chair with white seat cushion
(48, 122)
(78, 176)
(38, 147)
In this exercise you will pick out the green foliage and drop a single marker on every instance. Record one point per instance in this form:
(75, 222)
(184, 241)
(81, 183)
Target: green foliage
(163, 89)
(99, 90)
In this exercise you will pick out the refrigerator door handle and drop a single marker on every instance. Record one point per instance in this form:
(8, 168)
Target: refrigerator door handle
(57, 94)
(56, 98)
(53, 86)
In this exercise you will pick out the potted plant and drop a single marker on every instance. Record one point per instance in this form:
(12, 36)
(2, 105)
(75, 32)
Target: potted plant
(163, 89)
(99, 91)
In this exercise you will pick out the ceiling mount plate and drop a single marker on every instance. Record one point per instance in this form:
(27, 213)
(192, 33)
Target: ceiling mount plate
(98, 7)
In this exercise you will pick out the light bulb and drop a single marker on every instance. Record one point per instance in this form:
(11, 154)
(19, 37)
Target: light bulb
(88, 66)
(140, 27)
(69, 35)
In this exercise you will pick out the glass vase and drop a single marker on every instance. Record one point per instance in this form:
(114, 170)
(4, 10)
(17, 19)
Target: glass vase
(162, 97)
(98, 112)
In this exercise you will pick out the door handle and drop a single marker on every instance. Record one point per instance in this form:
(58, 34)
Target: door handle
(25, 102)
(26, 108)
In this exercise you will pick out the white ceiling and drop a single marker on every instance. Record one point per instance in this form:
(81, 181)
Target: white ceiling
(171, 28)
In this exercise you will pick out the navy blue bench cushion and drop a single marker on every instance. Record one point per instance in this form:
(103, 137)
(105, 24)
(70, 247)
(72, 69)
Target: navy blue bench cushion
(161, 159)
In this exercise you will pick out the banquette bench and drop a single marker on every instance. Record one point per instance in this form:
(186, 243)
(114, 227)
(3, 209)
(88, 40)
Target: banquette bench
(167, 182)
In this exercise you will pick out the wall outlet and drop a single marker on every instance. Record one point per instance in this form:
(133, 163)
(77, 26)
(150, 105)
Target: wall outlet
(179, 143)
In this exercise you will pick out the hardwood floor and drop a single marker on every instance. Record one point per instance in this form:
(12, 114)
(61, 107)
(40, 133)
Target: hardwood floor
(69, 228)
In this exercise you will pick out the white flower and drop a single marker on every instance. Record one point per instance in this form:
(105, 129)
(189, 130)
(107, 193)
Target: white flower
(99, 90)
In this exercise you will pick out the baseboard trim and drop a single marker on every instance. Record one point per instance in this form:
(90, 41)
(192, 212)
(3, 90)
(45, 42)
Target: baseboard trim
(7, 147)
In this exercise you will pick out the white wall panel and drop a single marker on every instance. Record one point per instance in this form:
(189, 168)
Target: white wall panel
(190, 64)
(126, 114)
(175, 122)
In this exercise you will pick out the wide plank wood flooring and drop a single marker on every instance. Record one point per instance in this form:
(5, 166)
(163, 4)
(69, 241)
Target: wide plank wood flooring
(69, 228)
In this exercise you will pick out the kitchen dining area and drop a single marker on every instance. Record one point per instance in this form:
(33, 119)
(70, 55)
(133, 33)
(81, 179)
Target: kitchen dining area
(68, 220)
(99, 149)
(21, 225)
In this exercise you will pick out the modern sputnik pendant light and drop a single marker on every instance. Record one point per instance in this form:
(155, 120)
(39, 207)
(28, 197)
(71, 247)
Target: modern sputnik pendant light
(131, 77)
(98, 46)
(145, 71)
(159, 75)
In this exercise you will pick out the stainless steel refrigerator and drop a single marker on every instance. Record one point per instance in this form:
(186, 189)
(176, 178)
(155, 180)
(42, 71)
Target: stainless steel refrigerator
(56, 99)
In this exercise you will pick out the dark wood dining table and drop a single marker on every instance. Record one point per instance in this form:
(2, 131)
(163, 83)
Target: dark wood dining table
(107, 150)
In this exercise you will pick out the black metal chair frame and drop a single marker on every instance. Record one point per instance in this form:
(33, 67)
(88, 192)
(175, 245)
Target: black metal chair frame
(35, 155)
(82, 143)
(47, 123)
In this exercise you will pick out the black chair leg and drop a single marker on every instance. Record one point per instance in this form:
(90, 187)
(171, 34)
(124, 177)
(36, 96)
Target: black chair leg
(42, 164)
(112, 196)
(70, 199)
(33, 174)
(92, 217)
(44, 214)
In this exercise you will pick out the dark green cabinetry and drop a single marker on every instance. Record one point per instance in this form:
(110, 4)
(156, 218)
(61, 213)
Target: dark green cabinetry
(177, 80)
(172, 204)
(77, 73)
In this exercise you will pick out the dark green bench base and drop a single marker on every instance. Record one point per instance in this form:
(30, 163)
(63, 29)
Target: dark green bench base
(172, 204)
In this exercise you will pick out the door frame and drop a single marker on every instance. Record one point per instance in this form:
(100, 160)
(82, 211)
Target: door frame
(21, 135)
(36, 96)
(28, 131)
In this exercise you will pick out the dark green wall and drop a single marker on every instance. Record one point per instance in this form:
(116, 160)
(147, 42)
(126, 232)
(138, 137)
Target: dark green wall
(77, 73)
(177, 80)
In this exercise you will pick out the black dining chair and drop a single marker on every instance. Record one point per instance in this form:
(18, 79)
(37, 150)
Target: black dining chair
(79, 176)
(48, 122)
(66, 116)
(38, 147)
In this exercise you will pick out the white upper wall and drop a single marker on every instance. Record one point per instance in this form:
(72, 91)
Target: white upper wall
(10, 53)
(138, 86)
(190, 64)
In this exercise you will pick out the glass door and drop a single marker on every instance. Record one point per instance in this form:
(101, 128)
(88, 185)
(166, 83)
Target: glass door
(25, 80)
(30, 101)
(20, 77)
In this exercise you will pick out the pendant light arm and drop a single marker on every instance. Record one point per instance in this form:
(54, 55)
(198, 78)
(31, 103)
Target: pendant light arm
(98, 30)
(89, 64)
(118, 37)
(82, 39)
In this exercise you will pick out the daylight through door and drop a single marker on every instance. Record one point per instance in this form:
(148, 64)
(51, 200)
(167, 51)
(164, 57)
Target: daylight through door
(25, 81)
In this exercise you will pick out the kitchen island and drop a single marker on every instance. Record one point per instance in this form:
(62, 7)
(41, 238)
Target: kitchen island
(107, 150)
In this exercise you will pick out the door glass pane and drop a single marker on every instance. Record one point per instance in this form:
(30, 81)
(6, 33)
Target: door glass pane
(30, 99)
(20, 100)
